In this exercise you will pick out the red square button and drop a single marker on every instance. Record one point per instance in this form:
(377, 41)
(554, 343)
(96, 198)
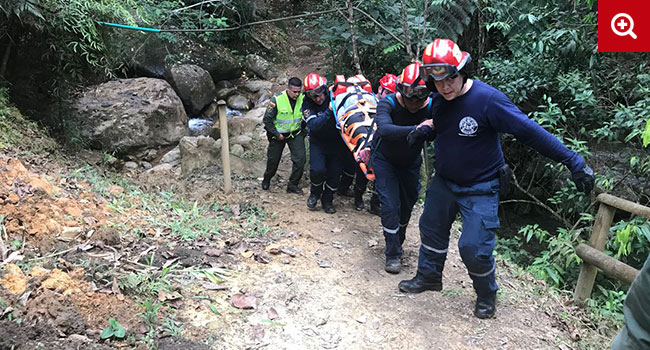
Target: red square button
(623, 26)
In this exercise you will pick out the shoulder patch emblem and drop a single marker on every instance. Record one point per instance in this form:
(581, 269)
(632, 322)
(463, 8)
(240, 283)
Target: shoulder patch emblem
(306, 113)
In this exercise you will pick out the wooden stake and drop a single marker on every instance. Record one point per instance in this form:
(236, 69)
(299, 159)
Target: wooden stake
(225, 148)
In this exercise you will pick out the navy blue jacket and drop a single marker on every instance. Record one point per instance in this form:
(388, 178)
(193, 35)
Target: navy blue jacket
(394, 123)
(321, 124)
(467, 146)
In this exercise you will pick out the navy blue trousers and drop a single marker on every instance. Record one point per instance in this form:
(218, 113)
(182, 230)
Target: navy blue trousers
(478, 206)
(325, 167)
(398, 187)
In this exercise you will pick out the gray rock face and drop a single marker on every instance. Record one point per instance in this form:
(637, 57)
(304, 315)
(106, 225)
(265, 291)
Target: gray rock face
(257, 85)
(243, 140)
(129, 115)
(239, 102)
(193, 85)
(261, 67)
(199, 152)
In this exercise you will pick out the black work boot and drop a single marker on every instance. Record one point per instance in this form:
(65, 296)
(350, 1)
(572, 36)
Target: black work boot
(328, 207)
(392, 265)
(418, 285)
(485, 308)
(345, 192)
(375, 207)
(358, 201)
(294, 189)
(312, 201)
(266, 183)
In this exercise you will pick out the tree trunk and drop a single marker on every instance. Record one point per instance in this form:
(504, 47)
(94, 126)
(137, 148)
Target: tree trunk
(5, 59)
(353, 37)
(405, 29)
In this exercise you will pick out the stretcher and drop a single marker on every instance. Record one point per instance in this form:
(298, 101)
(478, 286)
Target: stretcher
(354, 106)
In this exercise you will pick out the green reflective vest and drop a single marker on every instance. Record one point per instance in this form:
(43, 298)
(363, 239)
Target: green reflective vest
(288, 120)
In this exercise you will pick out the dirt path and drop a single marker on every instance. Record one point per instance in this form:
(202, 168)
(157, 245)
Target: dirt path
(354, 304)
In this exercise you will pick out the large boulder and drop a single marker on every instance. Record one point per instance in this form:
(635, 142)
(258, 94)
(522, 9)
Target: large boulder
(261, 67)
(239, 102)
(130, 115)
(193, 85)
(153, 57)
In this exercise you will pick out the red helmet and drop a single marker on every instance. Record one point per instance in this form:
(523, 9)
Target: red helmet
(442, 59)
(410, 85)
(314, 85)
(389, 82)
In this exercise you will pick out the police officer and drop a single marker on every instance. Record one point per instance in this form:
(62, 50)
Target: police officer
(468, 118)
(284, 126)
(396, 164)
(325, 144)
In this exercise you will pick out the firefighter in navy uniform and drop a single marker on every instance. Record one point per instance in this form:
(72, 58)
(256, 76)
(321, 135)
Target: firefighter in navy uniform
(396, 163)
(284, 126)
(325, 144)
(470, 170)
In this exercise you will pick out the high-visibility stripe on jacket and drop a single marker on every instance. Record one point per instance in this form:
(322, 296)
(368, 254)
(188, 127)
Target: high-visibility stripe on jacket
(288, 119)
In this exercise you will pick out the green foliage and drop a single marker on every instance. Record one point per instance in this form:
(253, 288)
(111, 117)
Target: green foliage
(171, 327)
(113, 330)
(150, 310)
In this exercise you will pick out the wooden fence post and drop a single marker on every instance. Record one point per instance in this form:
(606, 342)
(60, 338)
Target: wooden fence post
(598, 240)
(225, 148)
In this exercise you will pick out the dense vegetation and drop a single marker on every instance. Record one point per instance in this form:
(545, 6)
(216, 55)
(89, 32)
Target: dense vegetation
(542, 54)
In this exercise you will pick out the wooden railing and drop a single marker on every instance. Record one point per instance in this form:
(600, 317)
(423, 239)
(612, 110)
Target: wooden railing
(592, 255)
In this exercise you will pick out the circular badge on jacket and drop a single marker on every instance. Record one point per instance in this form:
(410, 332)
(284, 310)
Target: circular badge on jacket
(468, 126)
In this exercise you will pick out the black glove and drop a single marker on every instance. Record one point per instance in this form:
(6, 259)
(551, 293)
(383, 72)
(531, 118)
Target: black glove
(584, 179)
(419, 135)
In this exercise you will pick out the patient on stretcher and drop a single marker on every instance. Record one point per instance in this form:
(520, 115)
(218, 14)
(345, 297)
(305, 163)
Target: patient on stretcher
(355, 107)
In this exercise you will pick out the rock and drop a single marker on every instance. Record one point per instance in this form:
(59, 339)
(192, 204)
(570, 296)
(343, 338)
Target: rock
(246, 167)
(172, 156)
(239, 102)
(145, 165)
(261, 67)
(224, 84)
(224, 93)
(303, 51)
(243, 140)
(130, 165)
(148, 155)
(193, 85)
(236, 126)
(256, 114)
(145, 113)
(262, 97)
(162, 167)
(257, 85)
(199, 152)
(237, 150)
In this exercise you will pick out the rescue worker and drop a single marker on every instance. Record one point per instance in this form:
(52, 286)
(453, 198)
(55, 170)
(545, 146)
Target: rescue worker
(387, 85)
(325, 144)
(284, 126)
(396, 164)
(470, 170)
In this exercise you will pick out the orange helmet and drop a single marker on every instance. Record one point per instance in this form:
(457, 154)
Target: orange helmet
(389, 82)
(410, 85)
(314, 85)
(442, 59)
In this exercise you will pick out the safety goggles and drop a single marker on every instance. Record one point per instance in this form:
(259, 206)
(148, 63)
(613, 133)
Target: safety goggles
(419, 92)
(319, 91)
(438, 71)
